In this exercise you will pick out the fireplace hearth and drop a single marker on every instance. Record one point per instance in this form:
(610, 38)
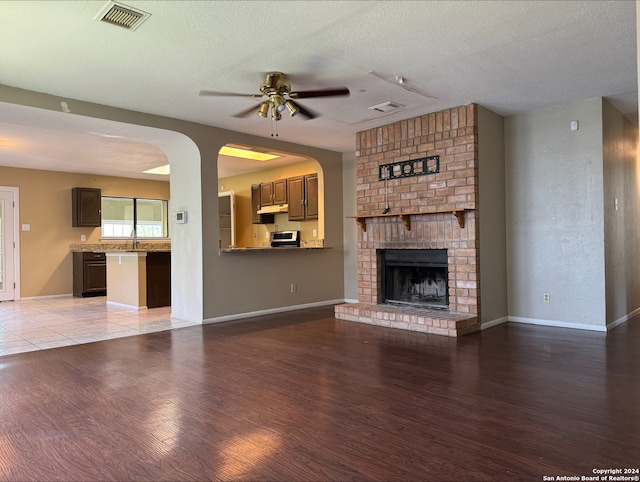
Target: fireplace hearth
(415, 277)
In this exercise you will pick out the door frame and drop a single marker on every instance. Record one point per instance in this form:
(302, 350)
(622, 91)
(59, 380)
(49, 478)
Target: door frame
(16, 237)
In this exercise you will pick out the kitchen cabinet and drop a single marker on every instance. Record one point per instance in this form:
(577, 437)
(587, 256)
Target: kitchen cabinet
(266, 193)
(255, 207)
(273, 193)
(89, 274)
(280, 192)
(158, 279)
(311, 196)
(303, 197)
(86, 207)
(227, 219)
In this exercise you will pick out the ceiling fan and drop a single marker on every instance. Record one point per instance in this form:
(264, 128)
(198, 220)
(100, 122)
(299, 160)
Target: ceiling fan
(279, 97)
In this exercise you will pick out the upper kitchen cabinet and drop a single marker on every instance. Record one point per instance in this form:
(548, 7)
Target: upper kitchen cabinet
(280, 192)
(311, 193)
(86, 207)
(303, 197)
(273, 193)
(256, 195)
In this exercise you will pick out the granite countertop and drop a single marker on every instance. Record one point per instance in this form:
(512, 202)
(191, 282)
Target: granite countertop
(143, 246)
(269, 248)
(304, 245)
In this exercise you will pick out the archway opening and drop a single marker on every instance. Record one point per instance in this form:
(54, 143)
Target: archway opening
(262, 191)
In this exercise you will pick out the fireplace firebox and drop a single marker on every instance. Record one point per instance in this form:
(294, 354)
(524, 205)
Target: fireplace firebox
(415, 277)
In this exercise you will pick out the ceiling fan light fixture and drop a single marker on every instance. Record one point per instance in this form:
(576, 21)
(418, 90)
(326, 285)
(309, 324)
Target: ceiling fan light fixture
(264, 110)
(278, 103)
(292, 108)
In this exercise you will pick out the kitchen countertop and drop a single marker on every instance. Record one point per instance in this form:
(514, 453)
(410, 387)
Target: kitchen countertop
(251, 249)
(305, 245)
(143, 246)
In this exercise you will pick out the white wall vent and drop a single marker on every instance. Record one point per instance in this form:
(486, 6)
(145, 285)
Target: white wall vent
(122, 15)
(386, 106)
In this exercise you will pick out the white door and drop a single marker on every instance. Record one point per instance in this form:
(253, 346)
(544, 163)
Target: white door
(7, 246)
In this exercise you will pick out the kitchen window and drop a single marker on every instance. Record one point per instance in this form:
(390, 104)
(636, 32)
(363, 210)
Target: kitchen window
(120, 215)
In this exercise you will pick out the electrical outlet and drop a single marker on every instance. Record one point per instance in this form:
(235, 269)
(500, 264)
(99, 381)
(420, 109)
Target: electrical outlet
(83, 237)
(294, 288)
(546, 298)
(315, 233)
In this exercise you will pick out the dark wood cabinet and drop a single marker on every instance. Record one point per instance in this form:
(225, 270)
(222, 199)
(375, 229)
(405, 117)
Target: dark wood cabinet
(158, 279)
(89, 274)
(303, 197)
(311, 196)
(255, 206)
(273, 193)
(296, 198)
(86, 207)
(280, 191)
(266, 193)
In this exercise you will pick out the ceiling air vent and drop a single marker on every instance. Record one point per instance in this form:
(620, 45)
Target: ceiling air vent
(386, 106)
(122, 15)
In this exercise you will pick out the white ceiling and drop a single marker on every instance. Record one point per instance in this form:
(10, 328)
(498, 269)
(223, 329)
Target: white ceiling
(509, 56)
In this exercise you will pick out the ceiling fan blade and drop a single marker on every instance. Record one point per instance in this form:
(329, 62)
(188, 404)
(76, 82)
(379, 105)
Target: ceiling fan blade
(214, 93)
(307, 113)
(305, 94)
(246, 112)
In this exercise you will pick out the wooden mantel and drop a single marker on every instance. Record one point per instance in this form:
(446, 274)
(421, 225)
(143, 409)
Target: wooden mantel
(406, 217)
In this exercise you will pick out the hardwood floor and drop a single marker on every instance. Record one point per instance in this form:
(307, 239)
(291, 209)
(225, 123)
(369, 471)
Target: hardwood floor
(301, 396)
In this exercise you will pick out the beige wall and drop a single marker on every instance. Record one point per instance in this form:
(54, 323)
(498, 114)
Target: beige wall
(248, 234)
(555, 216)
(45, 204)
(492, 217)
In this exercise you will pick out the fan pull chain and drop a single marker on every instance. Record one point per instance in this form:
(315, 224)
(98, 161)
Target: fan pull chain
(274, 127)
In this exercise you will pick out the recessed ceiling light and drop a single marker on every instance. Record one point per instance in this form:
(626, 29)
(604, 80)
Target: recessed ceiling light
(163, 170)
(245, 154)
(386, 106)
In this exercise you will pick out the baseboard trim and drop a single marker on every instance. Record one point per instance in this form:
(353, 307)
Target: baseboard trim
(123, 305)
(557, 324)
(619, 321)
(492, 323)
(281, 309)
(47, 297)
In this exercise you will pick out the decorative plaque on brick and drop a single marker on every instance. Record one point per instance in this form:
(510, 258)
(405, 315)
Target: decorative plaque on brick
(415, 167)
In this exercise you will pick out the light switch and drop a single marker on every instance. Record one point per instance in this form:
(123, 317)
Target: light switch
(26, 227)
(574, 125)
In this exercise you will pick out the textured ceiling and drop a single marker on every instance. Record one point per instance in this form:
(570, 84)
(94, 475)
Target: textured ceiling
(509, 56)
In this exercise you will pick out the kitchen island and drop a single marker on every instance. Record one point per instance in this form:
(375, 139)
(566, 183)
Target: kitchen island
(137, 278)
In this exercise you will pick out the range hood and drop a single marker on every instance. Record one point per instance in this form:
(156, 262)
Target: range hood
(278, 208)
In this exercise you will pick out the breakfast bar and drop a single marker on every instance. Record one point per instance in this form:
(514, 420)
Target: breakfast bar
(137, 278)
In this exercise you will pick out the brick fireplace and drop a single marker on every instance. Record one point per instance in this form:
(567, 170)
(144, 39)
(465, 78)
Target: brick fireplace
(434, 211)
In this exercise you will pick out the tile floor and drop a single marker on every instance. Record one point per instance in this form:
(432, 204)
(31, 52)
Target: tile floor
(30, 325)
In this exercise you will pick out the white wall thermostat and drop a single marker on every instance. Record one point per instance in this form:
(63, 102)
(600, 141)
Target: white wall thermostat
(181, 217)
